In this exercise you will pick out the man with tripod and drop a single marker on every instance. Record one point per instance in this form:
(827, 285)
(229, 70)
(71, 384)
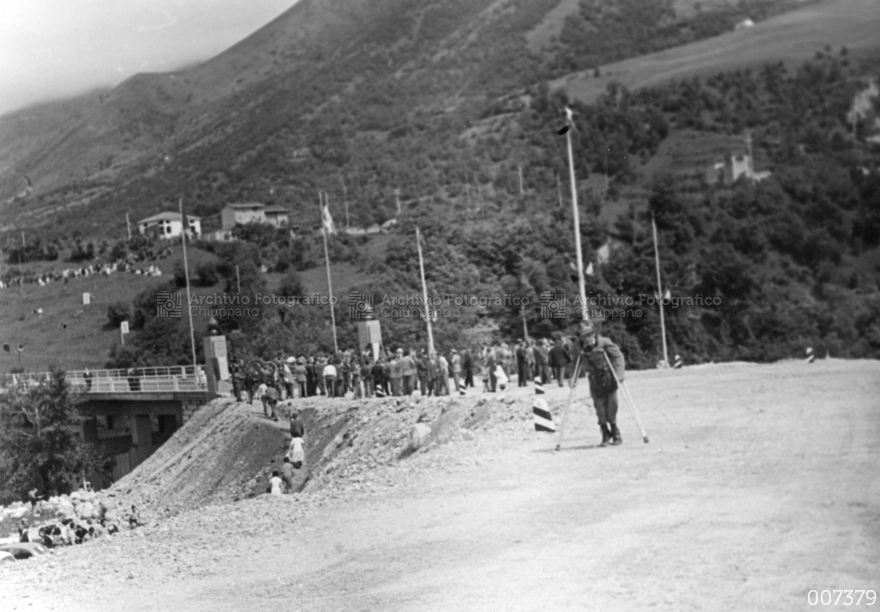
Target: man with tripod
(597, 352)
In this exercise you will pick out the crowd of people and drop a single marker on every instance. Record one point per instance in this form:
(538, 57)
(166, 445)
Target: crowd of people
(401, 372)
(404, 371)
(63, 276)
(67, 520)
(126, 264)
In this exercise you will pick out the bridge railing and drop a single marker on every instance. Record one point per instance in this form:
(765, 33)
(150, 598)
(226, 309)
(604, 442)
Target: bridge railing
(134, 380)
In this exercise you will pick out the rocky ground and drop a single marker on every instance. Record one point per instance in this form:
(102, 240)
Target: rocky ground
(759, 484)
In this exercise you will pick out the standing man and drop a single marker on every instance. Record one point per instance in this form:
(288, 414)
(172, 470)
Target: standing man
(249, 383)
(539, 352)
(521, 363)
(468, 364)
(603, 387)
(407, 373)
(263, 392)
(442, 375)
(367, 376)
(422, 372)
(330, 379)
(559, 358)
(302, 376)
(456, 369)
(396, 373)
(289, 378)
(490, 368)
(378, 375)
(272, 395)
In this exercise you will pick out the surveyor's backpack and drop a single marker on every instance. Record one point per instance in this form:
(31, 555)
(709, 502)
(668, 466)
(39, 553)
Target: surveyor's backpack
(602, 381)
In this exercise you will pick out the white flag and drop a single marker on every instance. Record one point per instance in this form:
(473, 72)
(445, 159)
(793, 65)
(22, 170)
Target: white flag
(668, 295)
(589, 271)
(327, 220)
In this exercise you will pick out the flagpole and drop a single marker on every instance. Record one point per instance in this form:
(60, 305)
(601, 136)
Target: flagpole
(425, 292)
(577, 224)
(192, 335)
(659, 291)
(329, 284)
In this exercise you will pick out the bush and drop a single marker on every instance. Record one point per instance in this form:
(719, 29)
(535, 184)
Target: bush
(207, 274)
(117, 312)
(179, 274)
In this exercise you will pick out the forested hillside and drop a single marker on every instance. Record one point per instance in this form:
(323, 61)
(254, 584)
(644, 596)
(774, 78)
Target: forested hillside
(449, 102)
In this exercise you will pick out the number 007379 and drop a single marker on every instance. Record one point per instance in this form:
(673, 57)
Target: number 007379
(842, 597)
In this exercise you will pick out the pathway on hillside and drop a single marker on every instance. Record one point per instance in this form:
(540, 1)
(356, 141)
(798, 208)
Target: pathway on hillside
(759, 484)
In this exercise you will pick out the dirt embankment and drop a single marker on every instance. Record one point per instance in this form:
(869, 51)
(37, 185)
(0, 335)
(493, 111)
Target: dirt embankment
(228, 450)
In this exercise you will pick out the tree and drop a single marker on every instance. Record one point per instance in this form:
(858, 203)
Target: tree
(41, 443)
(117, 312)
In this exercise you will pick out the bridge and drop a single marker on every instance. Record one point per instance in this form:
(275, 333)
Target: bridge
(129, 413)
(165, 379)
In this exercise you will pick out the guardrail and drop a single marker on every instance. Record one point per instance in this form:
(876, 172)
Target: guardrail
(135, 380)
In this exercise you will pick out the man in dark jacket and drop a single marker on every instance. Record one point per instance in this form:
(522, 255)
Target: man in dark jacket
(422, 372)
(597, 352)
(467, 362)
(378, 375)
(559, 359)
(521, 365)
(541, 354)
(297, 429)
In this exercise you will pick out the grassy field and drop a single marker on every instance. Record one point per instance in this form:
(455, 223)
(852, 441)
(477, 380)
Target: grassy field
(68, 333)
(74, 336)
(792, 37)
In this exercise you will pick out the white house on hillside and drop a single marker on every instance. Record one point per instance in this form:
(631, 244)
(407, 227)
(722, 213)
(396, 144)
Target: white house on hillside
(169, 225)
(277, 216)
(240, 214)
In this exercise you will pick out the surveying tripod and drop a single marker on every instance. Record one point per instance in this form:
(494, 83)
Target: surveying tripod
(620, 385)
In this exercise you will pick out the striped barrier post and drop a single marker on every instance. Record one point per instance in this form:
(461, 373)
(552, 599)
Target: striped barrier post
(540, 410)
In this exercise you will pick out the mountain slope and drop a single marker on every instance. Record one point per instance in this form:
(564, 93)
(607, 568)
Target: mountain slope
(791, 37)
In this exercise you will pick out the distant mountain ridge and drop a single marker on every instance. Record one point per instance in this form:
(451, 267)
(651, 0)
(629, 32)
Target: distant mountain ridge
(326, 75)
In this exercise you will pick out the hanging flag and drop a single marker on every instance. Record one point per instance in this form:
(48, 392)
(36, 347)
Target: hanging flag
(589, 271)
(668, 295)
(569, 116)
(326, 219)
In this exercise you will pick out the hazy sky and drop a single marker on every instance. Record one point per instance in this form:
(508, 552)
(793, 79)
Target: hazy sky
(56, 48)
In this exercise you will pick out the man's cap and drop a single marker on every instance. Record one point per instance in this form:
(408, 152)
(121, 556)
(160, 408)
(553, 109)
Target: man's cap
(587, 328)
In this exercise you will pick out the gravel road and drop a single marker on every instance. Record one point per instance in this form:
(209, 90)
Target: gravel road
(759, 484)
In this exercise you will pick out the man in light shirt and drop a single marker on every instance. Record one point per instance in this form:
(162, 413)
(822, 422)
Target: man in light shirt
(330, 379)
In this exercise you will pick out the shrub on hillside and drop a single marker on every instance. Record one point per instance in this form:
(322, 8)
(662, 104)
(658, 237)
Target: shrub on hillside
(82, 252)
(117, 312)
(207, 274)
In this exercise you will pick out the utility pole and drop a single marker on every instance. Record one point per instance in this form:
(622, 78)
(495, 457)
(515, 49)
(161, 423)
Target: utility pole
(345, 199)
(397, 199)
(521, 190)
(237, 279)
(425, 292)
(559, 190)
(128, 225)
(576, 218)
(660, 295)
